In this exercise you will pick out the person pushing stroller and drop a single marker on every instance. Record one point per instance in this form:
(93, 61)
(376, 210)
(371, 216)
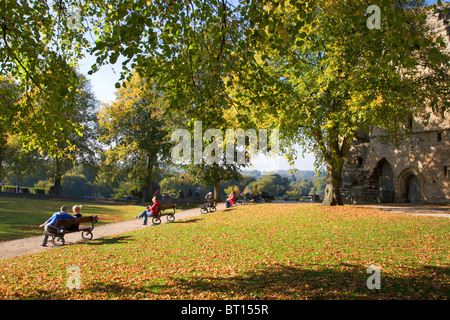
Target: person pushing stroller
(209, 204)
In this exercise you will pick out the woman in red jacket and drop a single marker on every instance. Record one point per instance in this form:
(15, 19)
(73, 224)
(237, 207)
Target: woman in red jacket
(152, 211)
(231, 199)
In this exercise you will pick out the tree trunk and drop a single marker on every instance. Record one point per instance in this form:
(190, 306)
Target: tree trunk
(148, 194)
(217, 195)
(57, 186)
(1, 167)
(3, 142)
(333, 188)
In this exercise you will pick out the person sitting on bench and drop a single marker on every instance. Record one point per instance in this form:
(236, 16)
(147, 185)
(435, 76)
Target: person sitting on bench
(152, 211)
(77, 210)
(231, 199)
(50, 225)
(209, 199)
(76, 213)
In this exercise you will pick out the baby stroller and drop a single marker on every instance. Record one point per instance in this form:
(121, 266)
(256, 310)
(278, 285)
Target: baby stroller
(208, 206)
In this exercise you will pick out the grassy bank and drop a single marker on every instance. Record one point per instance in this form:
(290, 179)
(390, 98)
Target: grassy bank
(266, 251)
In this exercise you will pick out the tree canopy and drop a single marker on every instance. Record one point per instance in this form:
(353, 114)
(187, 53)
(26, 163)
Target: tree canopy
(327, 76)
(38, 54)
(316, 70)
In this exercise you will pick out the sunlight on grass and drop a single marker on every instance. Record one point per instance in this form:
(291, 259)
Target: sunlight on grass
(288, 251)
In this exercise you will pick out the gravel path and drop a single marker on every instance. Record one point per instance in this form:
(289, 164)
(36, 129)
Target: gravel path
(440, 211)
(24, 246)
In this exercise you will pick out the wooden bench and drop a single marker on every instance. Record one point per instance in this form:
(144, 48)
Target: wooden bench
(73, 225)
(170, 216)
(311, 197)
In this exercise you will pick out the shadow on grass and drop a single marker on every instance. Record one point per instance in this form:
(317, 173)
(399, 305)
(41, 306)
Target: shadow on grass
(109, 240)
(343, 282)
(187, 221)
(285, 282)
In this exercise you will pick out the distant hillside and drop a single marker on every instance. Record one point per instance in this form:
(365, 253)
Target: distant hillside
(284, 173)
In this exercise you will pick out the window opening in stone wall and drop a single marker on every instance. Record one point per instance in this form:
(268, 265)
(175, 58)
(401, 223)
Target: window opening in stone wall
(410, 123)
(360, 161)
(439, 136)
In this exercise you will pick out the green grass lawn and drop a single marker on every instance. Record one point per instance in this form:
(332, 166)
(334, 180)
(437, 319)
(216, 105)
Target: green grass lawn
(20, 217)
(265, 251)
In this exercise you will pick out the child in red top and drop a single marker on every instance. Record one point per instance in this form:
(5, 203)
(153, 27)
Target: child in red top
(151, 211)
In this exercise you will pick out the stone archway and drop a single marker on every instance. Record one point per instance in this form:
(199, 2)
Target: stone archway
(410, 186)
(382, 179)
(386, 177)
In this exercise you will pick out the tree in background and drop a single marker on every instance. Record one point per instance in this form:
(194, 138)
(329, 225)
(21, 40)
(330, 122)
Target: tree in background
(68, 146)
(136, 127)
(213, 175)
(275, 185)
(75, 146)
(175, 183)
(19, 165)
(38, 53)
(9, 95)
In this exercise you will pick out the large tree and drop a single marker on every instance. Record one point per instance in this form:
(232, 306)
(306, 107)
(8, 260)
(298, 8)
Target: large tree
(185, 46)
(78, 144)
(9, 95)
(136, 127)
(39, 48)
(324, 74)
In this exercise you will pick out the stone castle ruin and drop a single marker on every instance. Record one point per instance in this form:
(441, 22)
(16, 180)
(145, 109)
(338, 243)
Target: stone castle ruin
(417, 171)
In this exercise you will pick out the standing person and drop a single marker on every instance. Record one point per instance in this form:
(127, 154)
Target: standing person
(231, 199)
(197, 191)
(50, 224)
(152, 211)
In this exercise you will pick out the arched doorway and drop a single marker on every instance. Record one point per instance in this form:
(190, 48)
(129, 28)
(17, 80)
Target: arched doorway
(410, 186)
(413, 190)
(386, 177)
(382, 179)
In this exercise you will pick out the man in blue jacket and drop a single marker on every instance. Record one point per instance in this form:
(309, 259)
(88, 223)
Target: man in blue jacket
(50, 224)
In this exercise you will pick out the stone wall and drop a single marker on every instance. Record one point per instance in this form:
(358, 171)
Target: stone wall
(421, 155)
(417, 170)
